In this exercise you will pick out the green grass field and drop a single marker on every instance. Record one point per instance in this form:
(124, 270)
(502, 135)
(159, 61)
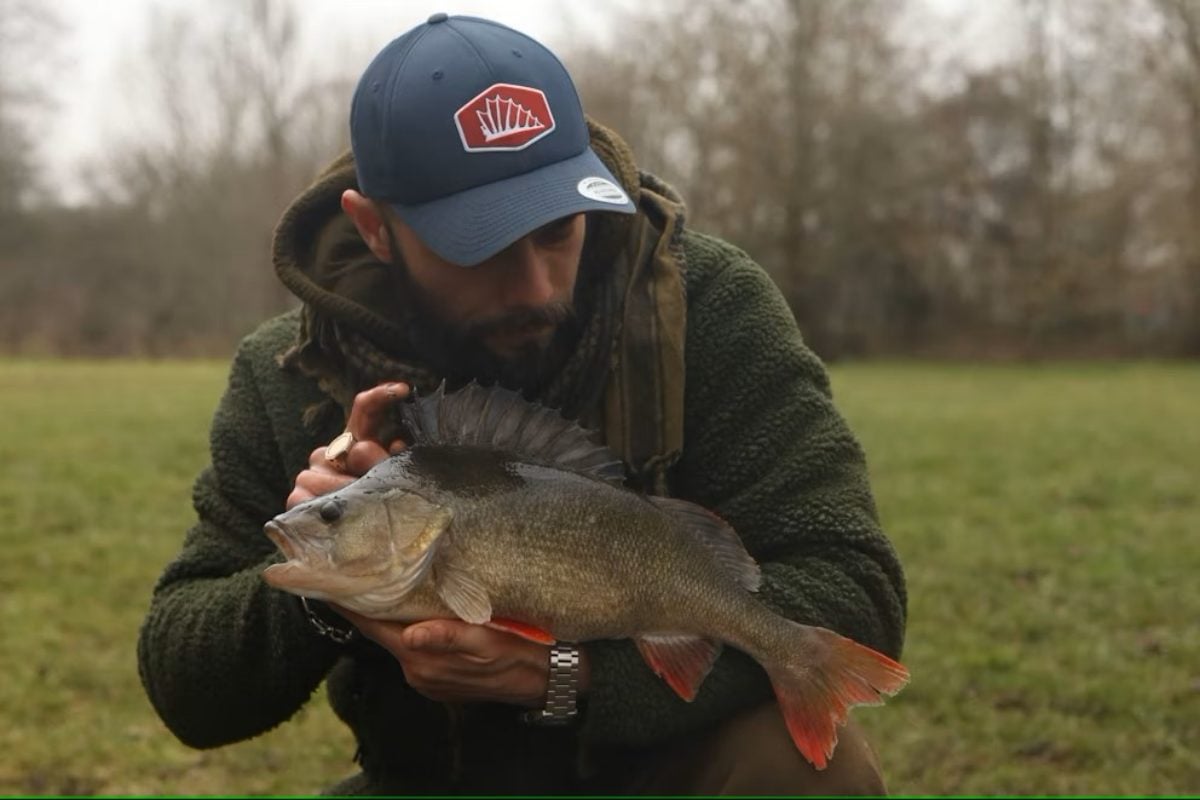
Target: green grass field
(1048, 518)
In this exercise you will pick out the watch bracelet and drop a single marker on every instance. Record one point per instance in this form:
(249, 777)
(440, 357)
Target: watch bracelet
(339, 635)
(562, 687)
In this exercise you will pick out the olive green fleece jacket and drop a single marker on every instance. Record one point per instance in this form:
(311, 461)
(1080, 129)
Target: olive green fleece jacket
(224, 657)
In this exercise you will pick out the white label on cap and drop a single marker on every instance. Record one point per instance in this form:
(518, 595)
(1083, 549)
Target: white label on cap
(602, 190)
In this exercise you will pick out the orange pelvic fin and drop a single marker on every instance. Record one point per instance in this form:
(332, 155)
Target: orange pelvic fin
(530, 632)
(816, 700)
(682, 661)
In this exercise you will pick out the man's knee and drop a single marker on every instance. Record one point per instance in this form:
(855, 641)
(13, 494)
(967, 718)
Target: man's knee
(753, 754)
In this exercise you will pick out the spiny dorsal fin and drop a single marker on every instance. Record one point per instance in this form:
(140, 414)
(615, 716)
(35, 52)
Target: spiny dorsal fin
(720, 539)
(503, 420)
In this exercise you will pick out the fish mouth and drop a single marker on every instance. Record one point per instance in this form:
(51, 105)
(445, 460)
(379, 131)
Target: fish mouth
(282, 539)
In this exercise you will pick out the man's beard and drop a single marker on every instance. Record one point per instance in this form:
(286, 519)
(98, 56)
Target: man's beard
(459, 352)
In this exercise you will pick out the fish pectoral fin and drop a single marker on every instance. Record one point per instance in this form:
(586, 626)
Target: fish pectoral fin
(530, 632)
(683, 661)
(465, 596)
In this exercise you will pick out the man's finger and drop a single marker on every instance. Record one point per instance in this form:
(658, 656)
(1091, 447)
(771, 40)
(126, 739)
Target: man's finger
(370, 409)
(362, 456)
(297, 497)
(314, 483)
(319, 482)
(438, 636)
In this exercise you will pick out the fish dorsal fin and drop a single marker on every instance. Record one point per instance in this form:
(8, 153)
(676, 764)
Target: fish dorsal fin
(720, 539)
(503, 420)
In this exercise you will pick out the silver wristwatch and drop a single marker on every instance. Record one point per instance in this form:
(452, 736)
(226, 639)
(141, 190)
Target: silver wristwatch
(561, 689)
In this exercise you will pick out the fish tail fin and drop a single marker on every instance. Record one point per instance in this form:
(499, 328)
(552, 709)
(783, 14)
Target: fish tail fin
(817, 689)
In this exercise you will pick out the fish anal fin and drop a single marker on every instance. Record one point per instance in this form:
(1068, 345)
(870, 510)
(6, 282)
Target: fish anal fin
(530, 632)
(464, 595)
(681, 660)
(500, 419)
(816, 698)
(721, 540)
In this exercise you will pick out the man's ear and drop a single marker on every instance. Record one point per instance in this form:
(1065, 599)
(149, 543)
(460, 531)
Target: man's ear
(366, 218)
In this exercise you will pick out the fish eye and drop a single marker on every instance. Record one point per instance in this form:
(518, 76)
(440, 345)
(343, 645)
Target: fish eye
(331, 511)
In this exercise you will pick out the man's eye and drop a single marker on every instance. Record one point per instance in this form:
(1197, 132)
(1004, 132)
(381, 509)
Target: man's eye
(556, 231)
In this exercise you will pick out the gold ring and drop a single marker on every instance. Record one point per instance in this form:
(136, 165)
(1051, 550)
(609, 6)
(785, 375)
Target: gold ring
(337, 450)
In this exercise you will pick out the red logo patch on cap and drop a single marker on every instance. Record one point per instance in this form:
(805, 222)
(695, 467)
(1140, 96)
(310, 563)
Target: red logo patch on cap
(504, 117)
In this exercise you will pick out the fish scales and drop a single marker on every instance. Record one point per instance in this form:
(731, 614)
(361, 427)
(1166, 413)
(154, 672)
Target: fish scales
(565, 551)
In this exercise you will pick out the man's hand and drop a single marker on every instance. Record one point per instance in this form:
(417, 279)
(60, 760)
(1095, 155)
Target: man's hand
(457, 662)
(444, 659)
(366, 416)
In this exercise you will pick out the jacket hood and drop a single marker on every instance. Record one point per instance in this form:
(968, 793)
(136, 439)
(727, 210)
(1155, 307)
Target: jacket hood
(320, 257)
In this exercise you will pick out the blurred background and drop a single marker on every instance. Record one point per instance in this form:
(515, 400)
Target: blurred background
(1018, 178)
(985, 216)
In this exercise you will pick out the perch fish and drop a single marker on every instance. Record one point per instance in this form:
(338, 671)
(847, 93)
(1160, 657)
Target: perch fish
(504, 513)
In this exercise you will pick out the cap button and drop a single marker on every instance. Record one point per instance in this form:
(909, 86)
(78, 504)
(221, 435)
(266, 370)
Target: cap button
(441, 16)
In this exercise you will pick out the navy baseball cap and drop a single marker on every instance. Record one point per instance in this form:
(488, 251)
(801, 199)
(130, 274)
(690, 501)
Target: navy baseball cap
(474, 134)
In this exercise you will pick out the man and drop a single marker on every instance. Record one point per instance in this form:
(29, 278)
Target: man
(484, 229)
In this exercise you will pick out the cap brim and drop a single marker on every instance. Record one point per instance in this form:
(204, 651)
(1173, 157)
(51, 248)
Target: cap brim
(472, 226)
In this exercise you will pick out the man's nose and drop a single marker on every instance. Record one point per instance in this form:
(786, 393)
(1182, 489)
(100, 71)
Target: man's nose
(528, 276)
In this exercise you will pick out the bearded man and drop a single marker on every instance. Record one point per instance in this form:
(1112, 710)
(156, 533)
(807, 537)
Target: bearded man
(484, 229)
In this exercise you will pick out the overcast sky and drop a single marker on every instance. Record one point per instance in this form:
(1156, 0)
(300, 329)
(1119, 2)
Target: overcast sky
(101, 34)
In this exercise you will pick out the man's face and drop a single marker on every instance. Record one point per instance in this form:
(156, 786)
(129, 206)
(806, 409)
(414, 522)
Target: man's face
(510, 305)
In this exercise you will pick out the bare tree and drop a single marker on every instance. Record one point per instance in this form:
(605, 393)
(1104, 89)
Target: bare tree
(240, 123)
(781, 137)
(28, 36)
(1182, 34)
(1013, 204)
